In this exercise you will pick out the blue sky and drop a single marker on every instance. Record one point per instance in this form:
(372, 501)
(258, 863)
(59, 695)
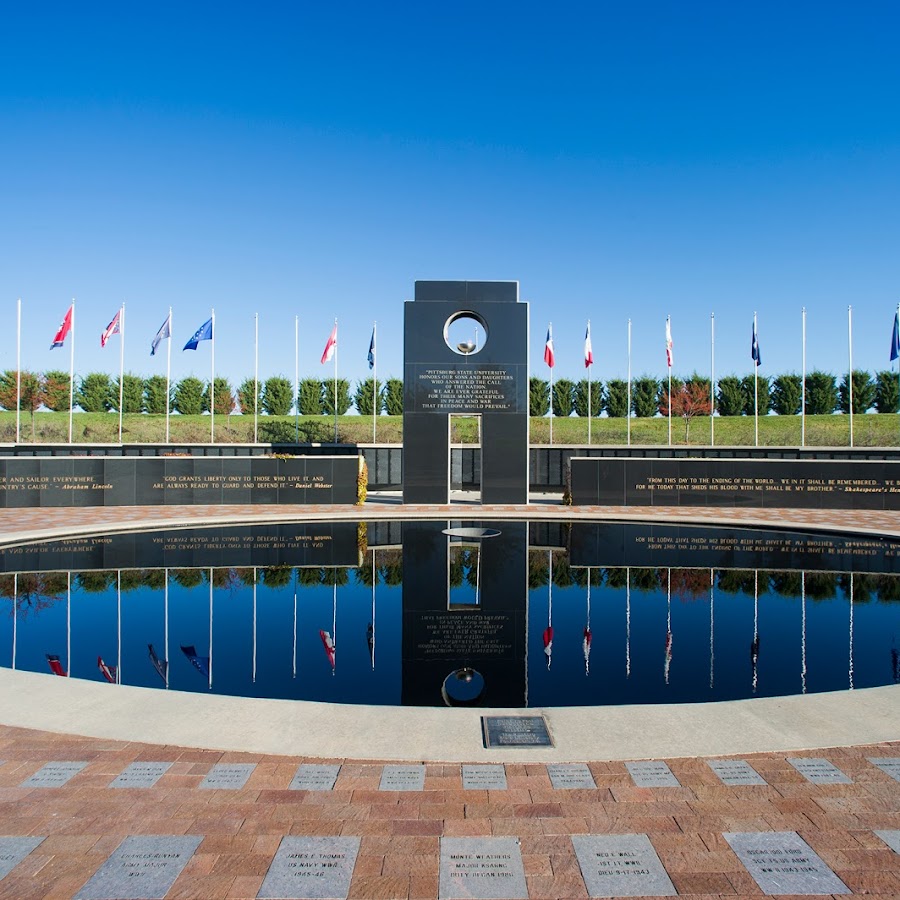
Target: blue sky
(619, 160)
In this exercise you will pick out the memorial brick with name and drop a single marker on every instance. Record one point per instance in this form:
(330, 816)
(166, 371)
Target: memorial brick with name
(486, 868)
(781, 862)
(13, 850)
(819, 771)
(311, 777)
(735, 772)
(570, 776)
(141, 775)
(888, 765)
(228, 776)
(54, 774)
(312, 868)
(621, 865)
(402, 778)
(891, 838)
(484, 777)
(651, 774)
(141, 868)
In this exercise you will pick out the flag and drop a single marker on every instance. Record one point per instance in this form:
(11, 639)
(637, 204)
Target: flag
(668, 342)
(328, 644)
(548, 348)
(165, 330)
(200, 663)
(371, 356)
(588, 350)
(754, 346)
(895, 337)
(111, 329)
(110, 673)
(64, 329)
(161, 665)
(330, 346)
(203, 333)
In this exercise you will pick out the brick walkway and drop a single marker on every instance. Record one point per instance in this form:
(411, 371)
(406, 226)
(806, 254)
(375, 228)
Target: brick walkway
(400, 832)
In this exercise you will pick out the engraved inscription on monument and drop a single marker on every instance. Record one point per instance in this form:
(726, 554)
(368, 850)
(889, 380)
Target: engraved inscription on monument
(651, 774)
(781, 862)
(315, 868)
(570, 776)
(481, 868)
(228, 776)
(734, 772)
(465, 389)
(515, 731)
(621, 865)
(402, 778)
(820, 771)
(485, 778)
(54, 774)
(309, 777)
(141, 775)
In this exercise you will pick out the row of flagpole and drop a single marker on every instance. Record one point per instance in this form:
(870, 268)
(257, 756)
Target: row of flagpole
(755, 356)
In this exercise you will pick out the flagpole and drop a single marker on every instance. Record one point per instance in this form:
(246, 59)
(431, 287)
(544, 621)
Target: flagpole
(712, 379)
(590, 369)
(374, 380)
(628, 411)
(71, 372)
(335, 384)
(755, 389)
(168, 383)
(669, 362)
(803, 383)
(296, 379)
(210, 626)
(18, 366)
(550, 331)
(850, 373)
(755, 623)
(121, 366)
(256, 379)
(212, 389)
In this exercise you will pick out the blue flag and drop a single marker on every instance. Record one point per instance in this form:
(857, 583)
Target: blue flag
(203, 333)
(200, 663)
(754, 347)
(895, 337)
(371, 356)
(165, 331)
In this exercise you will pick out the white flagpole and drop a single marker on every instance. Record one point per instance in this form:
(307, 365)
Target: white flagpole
(256, 379)
(803, 384)
(297, 379)
(210, 626)
(166, 625)
(628, 411)
(18, 366)
(669, 362)
(589, 411)
(121, 365)
(755, 389)
(850, 373)
(374, 379)
(712, 379)
(72, 372)
(168, 382)
(212, 385)
(335, 383)
(550, 330)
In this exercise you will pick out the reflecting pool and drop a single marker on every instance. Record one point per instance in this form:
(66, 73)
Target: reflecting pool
(513, 614)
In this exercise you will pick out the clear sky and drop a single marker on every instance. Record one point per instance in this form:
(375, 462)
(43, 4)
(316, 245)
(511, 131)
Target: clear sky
(619, 159)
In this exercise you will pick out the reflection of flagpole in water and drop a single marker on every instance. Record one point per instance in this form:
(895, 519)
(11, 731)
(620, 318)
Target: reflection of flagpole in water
(712, 614)
(68, 623)
(586, 643)
(668, 661)
(118, 626)
(209, 682)
(627, 622)
(372, 627)
(15, 614)
(294, 650)
(166, 624)
(548, 631)
(803, 632)
(754, 647)
(334, 614)
(253, 674)
(850, 672)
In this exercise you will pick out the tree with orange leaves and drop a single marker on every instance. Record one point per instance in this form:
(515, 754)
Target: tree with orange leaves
(689, 399)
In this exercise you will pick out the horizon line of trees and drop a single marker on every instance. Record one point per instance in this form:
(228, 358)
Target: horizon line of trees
(274, 396)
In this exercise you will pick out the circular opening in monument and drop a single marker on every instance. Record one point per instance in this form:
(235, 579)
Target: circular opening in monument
(463, 687)
(465, 333)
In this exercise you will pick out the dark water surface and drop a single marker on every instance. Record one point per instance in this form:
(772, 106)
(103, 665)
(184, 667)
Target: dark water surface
(490, 613)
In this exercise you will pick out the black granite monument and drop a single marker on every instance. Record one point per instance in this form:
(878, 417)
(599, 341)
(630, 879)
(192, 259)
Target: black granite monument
(444, 376)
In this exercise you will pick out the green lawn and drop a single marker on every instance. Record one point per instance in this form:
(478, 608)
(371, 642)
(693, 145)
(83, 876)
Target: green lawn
(774, 431)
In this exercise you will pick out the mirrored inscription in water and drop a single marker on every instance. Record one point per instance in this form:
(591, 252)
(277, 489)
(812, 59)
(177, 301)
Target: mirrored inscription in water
(458, 612)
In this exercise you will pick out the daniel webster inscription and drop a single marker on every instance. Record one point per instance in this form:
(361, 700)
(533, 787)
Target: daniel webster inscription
(485, 374)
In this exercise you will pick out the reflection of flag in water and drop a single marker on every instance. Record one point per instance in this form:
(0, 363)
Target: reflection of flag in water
(895, 664)
(586, 646)
(328, 644)
(200, 663)
(754, 658)
(370, 640)
(668, 662)
(110, 673)
(161, 665)
(548, 644)
(55, 665)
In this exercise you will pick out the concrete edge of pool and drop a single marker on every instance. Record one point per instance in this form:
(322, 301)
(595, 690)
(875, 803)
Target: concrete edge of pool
(301, 728)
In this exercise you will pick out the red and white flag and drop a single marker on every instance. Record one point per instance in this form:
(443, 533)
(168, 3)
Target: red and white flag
(111, 329)
(668, 342)
(548, 348)
(588, 350)
(64, 329)
(328, 644)
(331, 346)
